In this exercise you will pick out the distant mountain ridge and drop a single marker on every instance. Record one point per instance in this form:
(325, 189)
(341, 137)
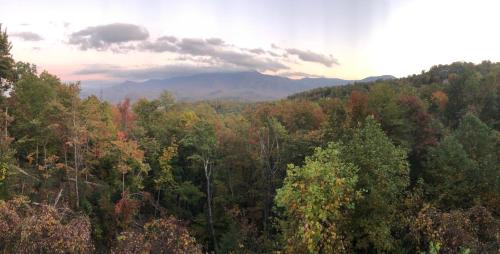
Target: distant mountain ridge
(244, 86)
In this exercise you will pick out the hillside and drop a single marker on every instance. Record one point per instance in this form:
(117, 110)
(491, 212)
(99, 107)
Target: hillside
(242, 86)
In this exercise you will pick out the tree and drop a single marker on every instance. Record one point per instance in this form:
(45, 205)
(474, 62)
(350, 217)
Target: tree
(457, 230)
(439, 100)
(130, 160)
(463, 169)
(165, 177)
(6, 152)
(268, 136)
(383, 177)
(202, 138)
(123, 116)
(170, 236)
(270, 141)
(98, 132)
(386, 108)
(316, 200)
(42, 228)
(446, 174)
(357, 106)
(7, 74)
(162, 236)
(166, 100)
(420, 133)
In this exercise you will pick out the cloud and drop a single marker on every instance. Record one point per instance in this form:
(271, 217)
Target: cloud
(298, 74)
(153, 72)
(27, 36)
(190, 54)
(257, 51)
(216, 49)
(106, 36)
(92, 69)
(309, 56)
(162, 44)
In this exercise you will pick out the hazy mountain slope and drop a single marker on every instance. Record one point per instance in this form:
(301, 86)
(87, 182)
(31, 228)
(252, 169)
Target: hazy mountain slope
(246, 86)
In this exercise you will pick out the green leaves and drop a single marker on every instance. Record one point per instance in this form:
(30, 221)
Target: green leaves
(166, 176)
(383, 177)
(346, 193)
(463, 168)
(316, 199)
(6, 62)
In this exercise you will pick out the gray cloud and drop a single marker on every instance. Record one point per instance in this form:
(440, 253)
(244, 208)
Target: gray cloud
(27, 36)
(92, 69)
(215, 41)
(190, 54)
(162, 44)
(216, 49)
(106, 36)
(257, 51)
(309, 56)
(153, 72)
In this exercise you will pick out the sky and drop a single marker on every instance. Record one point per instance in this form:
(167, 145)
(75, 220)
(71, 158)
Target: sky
(107, 41)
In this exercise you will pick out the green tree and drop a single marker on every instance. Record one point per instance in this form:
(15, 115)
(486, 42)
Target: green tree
(446, 174)
(202, 138)
(165, 177)
(7, 73)
(166, 100)
(463, 169)
(6, 152)
(316, 200)
(383, 177)
(6, 77)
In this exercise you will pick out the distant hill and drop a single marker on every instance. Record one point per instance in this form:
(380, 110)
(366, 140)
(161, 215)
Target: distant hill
(242, 86)
(375, 78)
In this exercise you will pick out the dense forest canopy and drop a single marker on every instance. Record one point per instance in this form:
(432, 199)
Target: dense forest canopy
(407, 165)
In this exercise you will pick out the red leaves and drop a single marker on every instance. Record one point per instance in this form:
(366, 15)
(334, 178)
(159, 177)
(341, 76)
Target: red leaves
(122, 136)
(440, 98)
(123, 115)
(416, 112)
(126, 209)
(357, 106)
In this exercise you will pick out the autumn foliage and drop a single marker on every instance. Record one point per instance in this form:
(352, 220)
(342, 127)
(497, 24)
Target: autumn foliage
(408, 165)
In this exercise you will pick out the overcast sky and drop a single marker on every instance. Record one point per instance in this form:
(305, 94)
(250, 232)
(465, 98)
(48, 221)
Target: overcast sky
(352, 39)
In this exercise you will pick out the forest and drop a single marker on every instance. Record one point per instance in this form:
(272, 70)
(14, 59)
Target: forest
(408, 165)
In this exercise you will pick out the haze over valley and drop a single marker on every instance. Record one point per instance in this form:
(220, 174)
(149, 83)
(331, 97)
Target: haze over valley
(236, 86)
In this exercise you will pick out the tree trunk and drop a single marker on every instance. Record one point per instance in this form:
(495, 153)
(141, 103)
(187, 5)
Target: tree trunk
(58, 197)
(270, 157)
(157, 201)
(6, 123)
(208, 176)
(36, 157)
(75, 141)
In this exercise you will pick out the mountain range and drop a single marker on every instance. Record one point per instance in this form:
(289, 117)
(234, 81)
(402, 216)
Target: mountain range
(243, 86)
